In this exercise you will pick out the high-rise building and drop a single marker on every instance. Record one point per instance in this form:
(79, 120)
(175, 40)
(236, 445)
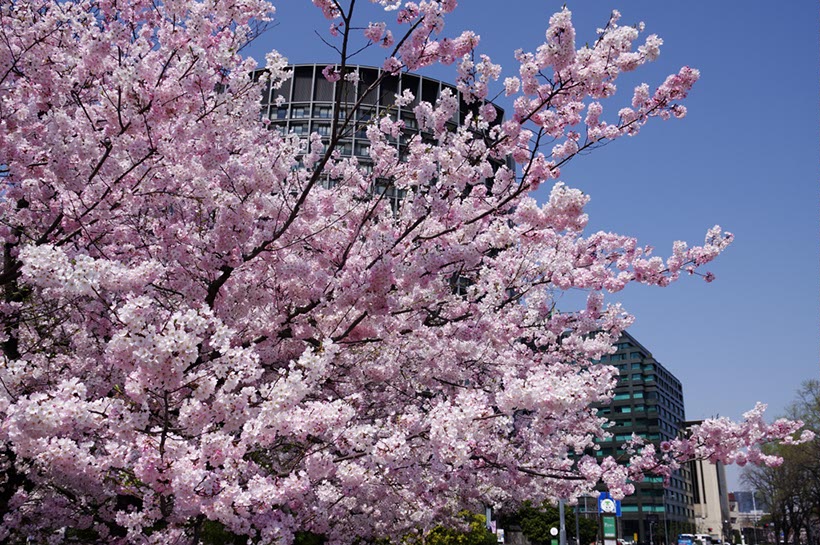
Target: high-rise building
(648, 402)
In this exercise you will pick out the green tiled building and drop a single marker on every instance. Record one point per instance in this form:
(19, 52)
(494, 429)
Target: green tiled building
(648, 402)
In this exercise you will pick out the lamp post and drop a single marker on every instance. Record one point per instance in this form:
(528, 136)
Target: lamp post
(577, 525)
(562, 536)
(754, 517)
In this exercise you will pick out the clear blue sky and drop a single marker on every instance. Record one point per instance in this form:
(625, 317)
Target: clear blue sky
(745, 157)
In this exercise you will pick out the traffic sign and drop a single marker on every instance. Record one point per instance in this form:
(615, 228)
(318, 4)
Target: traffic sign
(608, 506)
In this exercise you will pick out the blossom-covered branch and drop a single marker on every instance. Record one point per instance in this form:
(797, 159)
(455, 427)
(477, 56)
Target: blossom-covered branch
(207, 323)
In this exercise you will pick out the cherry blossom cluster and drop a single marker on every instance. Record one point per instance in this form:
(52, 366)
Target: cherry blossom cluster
(207, 321)
(716, 440)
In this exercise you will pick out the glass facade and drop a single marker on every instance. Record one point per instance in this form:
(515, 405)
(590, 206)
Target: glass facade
(305, 104)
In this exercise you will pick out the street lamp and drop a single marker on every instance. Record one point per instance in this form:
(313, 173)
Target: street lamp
(562, 536)
(754, 516)
(577, 525)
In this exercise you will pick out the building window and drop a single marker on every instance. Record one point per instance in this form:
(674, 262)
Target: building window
(394, 196)
(635, 355)
(362, 148)
(653, 509)
(300, 112)
(345, 148)
(459, 284)
(361, 131)
(323, 112)
(617, 357)
(409, 120)
(299, 128)
(404, 139)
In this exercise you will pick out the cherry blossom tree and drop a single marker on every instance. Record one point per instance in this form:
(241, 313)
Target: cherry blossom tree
(208, 324)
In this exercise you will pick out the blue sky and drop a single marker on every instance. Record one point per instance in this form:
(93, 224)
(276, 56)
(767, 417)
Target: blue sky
(745, 157)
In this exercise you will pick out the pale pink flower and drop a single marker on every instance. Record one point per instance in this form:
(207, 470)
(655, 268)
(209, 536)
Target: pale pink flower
(331, 74)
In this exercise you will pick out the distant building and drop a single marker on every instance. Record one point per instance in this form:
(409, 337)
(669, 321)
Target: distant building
(744, 501)
(749, 503)
(746, 511)
(734, 516)
(648, 402)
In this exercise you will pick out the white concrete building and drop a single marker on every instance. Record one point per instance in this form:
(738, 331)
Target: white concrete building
(710, 498)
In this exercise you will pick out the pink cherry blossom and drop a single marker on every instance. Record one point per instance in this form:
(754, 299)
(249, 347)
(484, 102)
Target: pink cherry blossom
(208, 320)
(331, 74)
(375, 31)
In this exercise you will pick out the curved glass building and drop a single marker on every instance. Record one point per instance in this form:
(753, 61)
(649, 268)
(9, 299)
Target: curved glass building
(305, 104)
